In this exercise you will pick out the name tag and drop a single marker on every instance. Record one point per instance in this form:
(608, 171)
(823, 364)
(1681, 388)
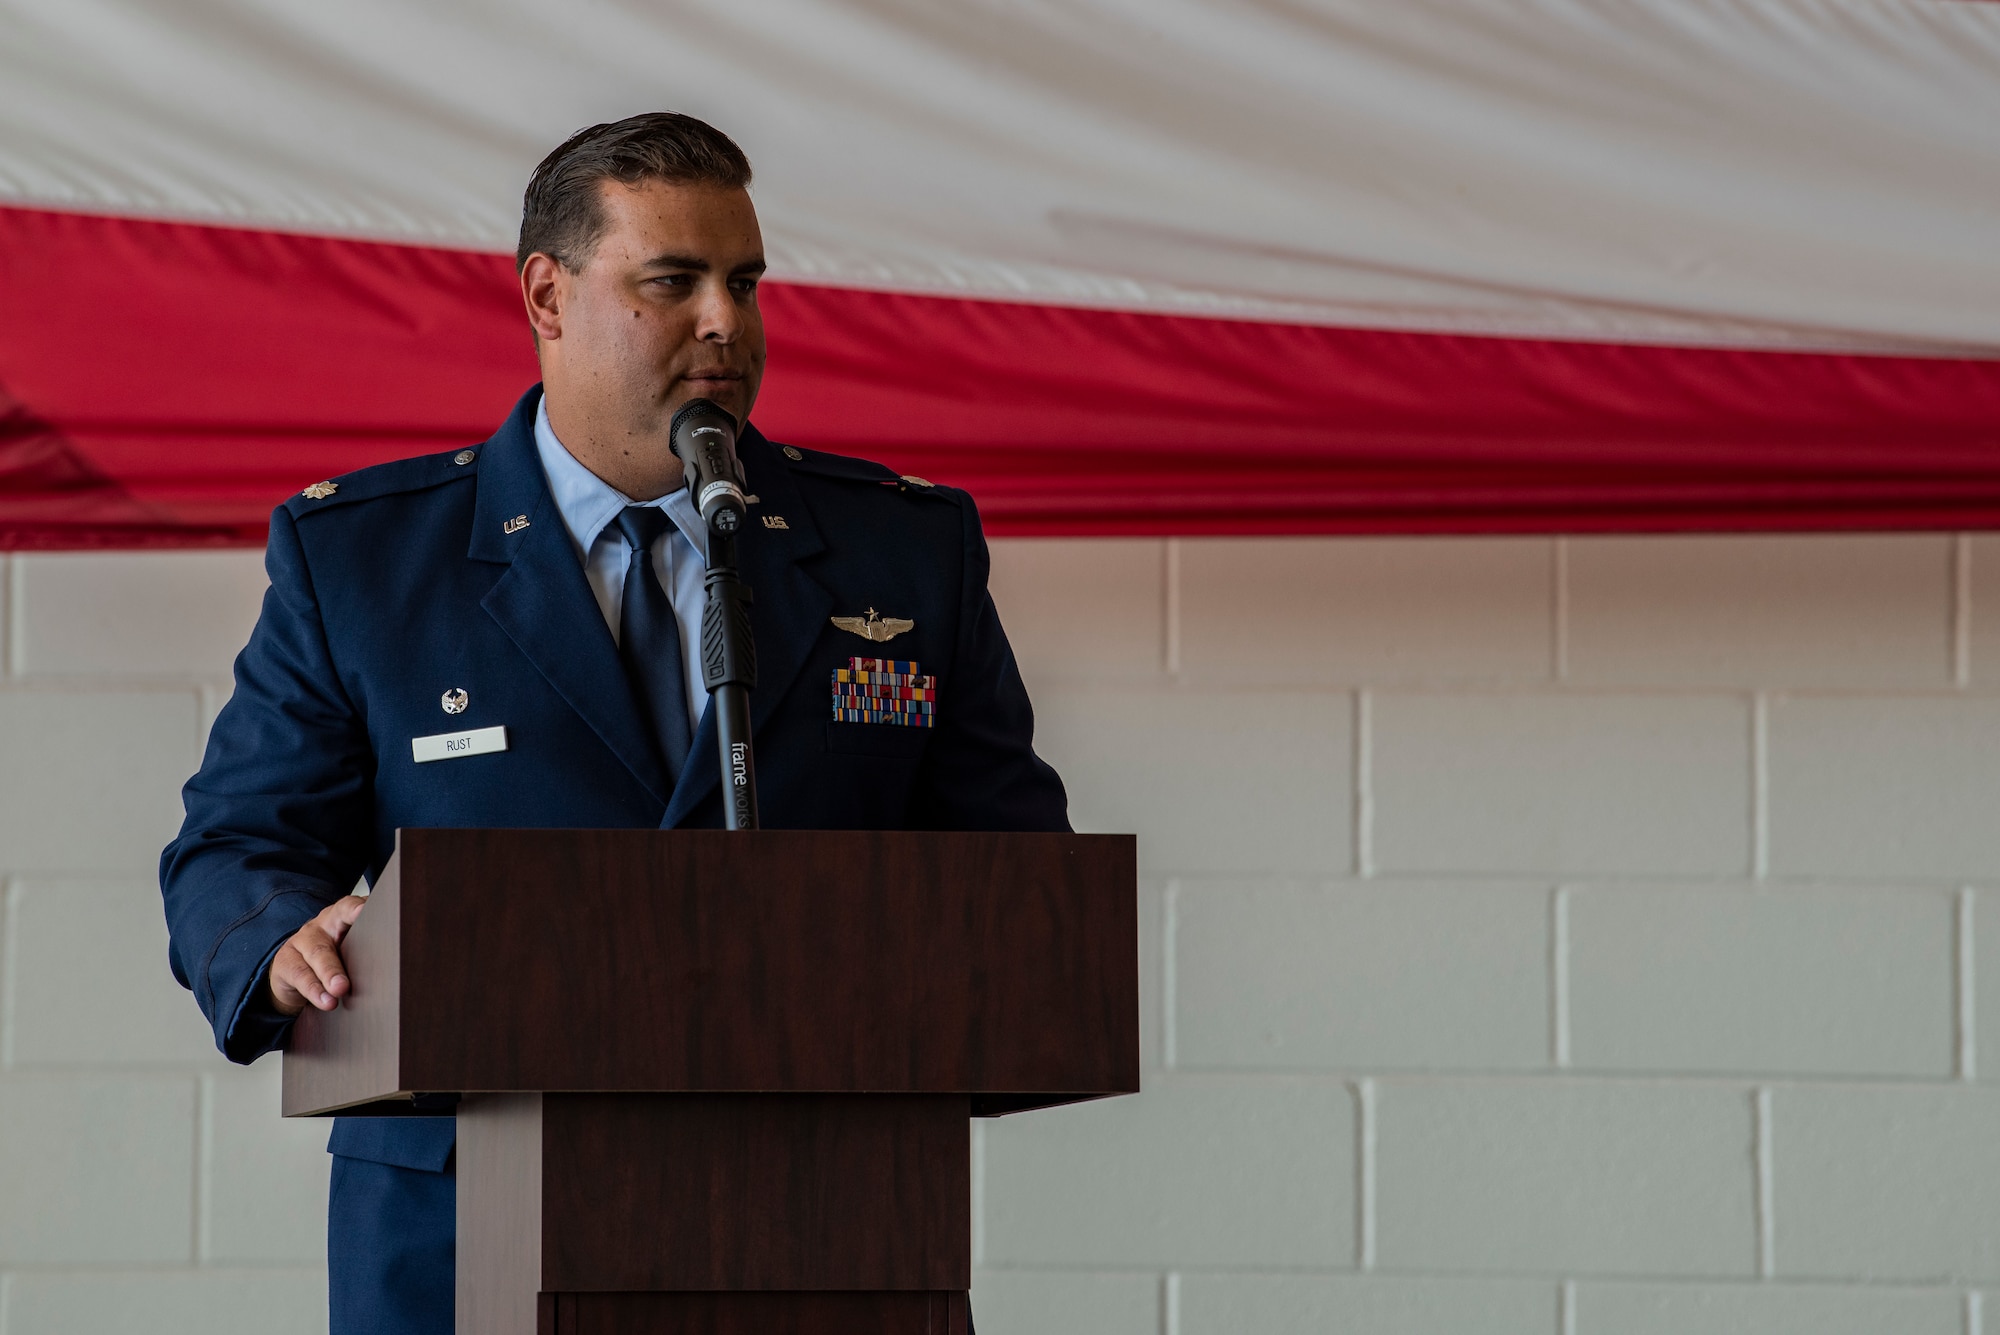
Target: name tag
(452, 745)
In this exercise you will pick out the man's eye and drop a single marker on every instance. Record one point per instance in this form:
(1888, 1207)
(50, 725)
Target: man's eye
(744, 286)
(675, 280)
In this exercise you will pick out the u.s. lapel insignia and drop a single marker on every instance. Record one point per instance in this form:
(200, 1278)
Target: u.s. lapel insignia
(319, 491)
(775, 521)
(879, 629)
(515, 525)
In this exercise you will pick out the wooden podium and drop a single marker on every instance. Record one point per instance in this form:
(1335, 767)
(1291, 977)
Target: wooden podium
(718, 1083)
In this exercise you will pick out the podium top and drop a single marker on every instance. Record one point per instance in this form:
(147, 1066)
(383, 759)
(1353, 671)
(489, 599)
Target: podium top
(999, 965)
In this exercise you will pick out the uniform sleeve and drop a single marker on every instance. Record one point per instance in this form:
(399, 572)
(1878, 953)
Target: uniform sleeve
(982, 770)
(277, 820)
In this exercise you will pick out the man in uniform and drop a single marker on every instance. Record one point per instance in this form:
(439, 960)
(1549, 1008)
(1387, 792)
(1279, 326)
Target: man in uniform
(542, 593)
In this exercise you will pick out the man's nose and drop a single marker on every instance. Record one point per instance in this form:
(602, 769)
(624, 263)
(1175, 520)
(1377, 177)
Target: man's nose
(718, 321)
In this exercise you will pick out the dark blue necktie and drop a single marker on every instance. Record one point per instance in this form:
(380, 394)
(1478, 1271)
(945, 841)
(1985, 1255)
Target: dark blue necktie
(649, 639)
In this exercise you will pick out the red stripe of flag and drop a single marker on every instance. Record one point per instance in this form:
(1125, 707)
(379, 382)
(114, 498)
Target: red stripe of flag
(170, 382)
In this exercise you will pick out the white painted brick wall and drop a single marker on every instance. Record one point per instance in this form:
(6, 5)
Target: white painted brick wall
(1979, 636)
(1297, 611)
(1896, 1183)
(1209, 779)
(1406, 976)
(1885, 786)
(92, 778)
(1565, 1177)
(1272, 1185)
(1819, 980)
(1560, 783)
(1586, 937)
(1864, 611)
(91, 984)
(1222, 1304)
(1765, 1309)
(1068, 1302)
(97, 1168)
(266, 1196)
(145, 1184)
(189, 1302)
(115, 615)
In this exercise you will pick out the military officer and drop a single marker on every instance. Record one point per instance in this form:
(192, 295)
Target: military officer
(507, 635)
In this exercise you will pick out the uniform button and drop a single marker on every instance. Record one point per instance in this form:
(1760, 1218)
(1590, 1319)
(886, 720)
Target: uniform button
(463, 457)
(793, 454)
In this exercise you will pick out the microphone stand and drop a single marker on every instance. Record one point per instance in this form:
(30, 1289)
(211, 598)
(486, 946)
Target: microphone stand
(729, 670)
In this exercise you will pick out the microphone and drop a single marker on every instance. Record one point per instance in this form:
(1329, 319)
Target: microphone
(704, 440)
(703, 437)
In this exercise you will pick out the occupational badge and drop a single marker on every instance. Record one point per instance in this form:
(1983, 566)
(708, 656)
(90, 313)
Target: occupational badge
(884, 690)
(879, 629)
(455, 700)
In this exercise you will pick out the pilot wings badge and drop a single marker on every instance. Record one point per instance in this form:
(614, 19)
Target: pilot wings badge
(874, 627)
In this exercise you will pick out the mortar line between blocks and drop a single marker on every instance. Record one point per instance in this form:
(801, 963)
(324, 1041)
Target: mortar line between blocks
(1364, 785)
(1170, 1303)
(1975, 1312)
(1566, 1307)
(1170, 921)
(1961, 610)
(1559, 610)
(1767, 1219)
(1364, 1163)
(1968, 983)
(1170, 619)
(1559, 1037)
(1760, 786)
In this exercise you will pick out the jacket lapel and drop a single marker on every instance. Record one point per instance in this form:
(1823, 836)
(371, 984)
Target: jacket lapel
(545, 604)
(790, 610)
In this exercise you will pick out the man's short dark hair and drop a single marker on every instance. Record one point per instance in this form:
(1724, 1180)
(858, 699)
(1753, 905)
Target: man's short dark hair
(560, 213)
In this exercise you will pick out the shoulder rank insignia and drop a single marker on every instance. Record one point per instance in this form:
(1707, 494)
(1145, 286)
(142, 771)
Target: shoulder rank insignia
(880, 629)
(319, 491)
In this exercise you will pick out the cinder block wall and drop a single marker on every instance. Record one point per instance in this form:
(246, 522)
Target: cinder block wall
(1566, 937)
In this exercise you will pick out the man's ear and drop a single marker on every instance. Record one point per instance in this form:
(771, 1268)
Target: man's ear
(544, 289)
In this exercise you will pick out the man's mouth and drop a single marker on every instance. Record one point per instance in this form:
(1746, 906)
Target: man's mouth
(715, 374)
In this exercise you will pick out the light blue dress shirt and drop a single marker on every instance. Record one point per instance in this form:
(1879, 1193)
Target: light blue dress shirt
(588, 504)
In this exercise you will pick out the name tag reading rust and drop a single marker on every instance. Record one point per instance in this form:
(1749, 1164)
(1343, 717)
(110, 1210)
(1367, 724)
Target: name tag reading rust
(452, 745)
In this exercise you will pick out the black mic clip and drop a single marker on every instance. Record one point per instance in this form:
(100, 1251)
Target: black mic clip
(703, 437)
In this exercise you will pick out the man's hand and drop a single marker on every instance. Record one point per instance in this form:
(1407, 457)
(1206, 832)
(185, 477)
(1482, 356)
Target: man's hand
(308, 967)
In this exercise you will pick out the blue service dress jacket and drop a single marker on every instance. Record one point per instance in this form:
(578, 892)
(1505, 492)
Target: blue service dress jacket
(397, 586)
